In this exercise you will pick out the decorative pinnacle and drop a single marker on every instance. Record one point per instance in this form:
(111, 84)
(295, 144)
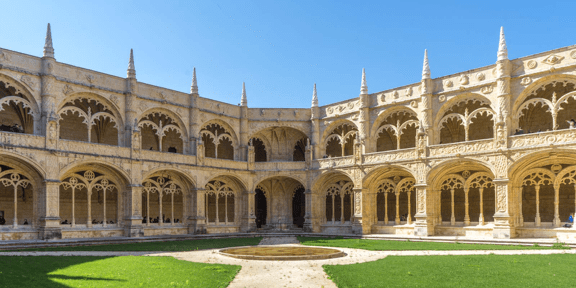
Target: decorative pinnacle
(363, 87)
(502, 49)
(48, 49)
(314, 97)
(131, 69)
(426, 67)
(244, 100)
(194, 87)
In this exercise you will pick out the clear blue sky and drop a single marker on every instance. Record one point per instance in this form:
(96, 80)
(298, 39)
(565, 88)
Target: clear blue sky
(280, 48)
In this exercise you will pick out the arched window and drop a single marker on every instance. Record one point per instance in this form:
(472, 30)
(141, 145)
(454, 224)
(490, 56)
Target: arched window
(340, 142)
(550, 107)
(89, 197)
(15, 197)
(161, 133)
(218, 142)
(469, 119)
(300, 150)
(16, 114)
(220, 203)
(163, 198)
(89, 115)
(339, 202)
(397, 131)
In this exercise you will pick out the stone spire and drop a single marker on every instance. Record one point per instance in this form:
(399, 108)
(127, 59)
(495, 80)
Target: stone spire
(502, 49)
(244, 100)
(426, 67)
(194, 87)
(314, 97)
(48, 49)
(363, 87)
(131, 69)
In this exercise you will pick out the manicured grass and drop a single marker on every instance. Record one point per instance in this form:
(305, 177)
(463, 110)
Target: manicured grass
(186, 245)
(125, 271)
(555, 270)
(377, 245)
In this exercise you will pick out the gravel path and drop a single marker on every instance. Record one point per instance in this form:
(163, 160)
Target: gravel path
(307, 273)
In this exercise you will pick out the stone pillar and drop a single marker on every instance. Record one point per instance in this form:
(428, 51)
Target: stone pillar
(503, 227)
(315, 132)
(49, 207)
(359, 226)
(243, 126)
(251, 217)
(130, 114)
(308, 214)
(194, 112)
(133, 218)
(426, 86)
(424, 225)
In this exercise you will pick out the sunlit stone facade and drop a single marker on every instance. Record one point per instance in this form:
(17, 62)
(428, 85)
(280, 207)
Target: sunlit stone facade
(486, 153)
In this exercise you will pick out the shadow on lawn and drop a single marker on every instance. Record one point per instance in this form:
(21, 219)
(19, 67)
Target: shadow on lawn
(34, 271)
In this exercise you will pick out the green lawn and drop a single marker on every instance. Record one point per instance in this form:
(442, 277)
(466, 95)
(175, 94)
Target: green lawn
(458, 271)
(186, 245)
(125, 271)
(405, 245)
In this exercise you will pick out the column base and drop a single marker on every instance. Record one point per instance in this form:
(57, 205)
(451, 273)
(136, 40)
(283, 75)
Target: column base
(197, 226)
(307, 227)
(423, 227)
(502, 227)
(50, 233)
(134, 227)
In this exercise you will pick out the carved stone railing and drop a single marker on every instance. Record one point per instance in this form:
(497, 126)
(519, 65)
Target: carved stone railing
(558, 137)
(20, 139)
(461, 148)
(167, 157)
(224, 163)
(389, 156)
(280, 166)
(93, 148)
(334, 162)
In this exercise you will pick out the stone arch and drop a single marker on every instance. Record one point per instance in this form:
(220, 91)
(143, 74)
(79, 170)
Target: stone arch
(456, 117)
(395, 129)
(539, 109)
(20, 98)
(339, 143)
(226, 126)
(284, 198)
(393, 195)
(224, 200)
(280, 141)
(91, 193)
(21, 184)
(163, 136)
(76, 112)
(167, 188)
(220, 141)
(334, 190)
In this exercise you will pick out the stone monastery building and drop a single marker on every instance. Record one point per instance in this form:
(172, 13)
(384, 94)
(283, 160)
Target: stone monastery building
(486, 153)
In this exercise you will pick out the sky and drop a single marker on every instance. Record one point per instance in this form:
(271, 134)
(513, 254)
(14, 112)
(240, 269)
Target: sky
(281, 48)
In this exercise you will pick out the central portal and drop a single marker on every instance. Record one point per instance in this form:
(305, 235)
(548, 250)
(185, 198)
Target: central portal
(279, 203)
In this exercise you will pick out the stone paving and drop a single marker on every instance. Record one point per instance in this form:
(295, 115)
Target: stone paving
(306, 273)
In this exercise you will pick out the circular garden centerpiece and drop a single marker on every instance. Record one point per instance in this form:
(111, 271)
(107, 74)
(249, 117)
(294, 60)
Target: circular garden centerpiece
(284, 253)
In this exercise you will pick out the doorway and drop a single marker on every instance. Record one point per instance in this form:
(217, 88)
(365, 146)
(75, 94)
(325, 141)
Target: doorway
(261, 208)
(298, 207)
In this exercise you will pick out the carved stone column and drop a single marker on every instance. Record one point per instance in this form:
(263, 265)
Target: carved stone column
(130, 100)
(308, 214)
(503, 227)
(193, 113)
(49, 210)
(424, 225)
(251, 217)
(133, 218)
(360, 227)
(198, 205)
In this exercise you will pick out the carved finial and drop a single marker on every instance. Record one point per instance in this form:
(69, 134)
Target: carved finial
(131, 69)
(194, 87)
(363, 87)
(502, 49)
(426, 67)
(244, 100)
(314, 97)
(48, 48)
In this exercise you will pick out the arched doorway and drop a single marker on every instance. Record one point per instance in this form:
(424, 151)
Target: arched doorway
(298, 207)
(261, 208)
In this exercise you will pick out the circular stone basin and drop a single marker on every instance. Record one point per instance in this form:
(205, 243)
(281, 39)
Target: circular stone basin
(282, 253)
